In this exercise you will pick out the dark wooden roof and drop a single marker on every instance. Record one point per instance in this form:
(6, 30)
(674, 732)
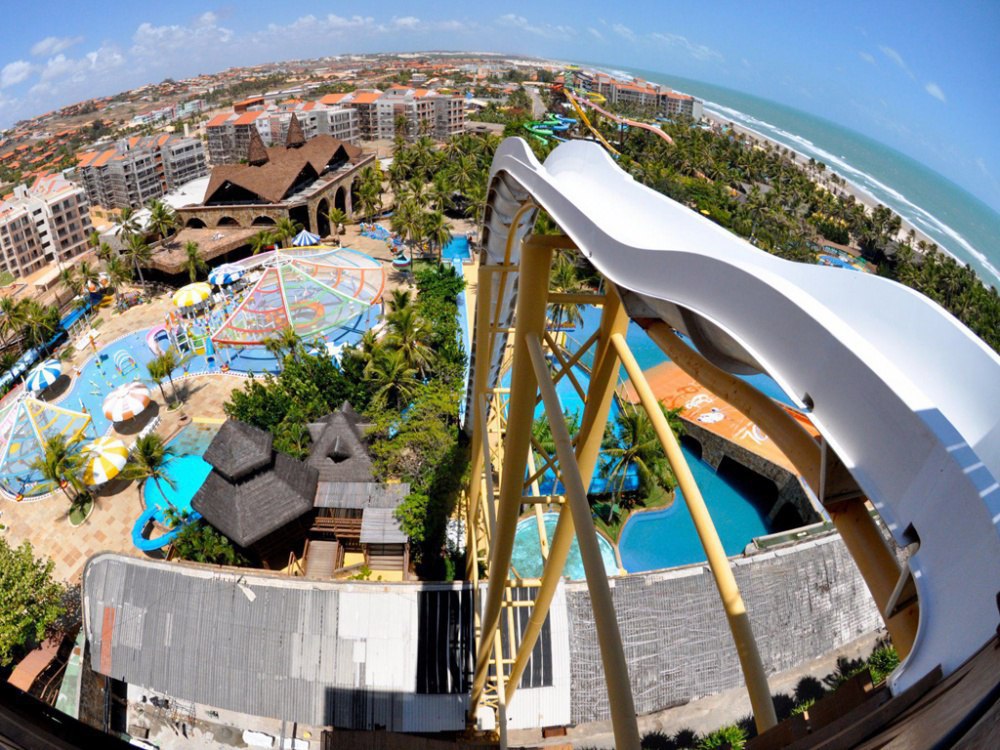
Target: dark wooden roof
(339, 452)
(284, 169)
(250, 509)
(239, 449)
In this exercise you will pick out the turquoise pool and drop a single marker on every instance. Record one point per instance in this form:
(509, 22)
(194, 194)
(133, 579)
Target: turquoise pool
(666, 538)
(187, 469)
(527, 556)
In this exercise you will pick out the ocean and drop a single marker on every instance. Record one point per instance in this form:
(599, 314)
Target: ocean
(959, 222)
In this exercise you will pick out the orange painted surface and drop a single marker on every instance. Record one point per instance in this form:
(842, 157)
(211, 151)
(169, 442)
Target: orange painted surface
(676, 389)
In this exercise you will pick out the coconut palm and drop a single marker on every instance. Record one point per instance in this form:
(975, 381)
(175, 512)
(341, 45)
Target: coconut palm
(409, 334)
(69, 279)
(260, 241)
(162, 218)
(565, 279)
(285, 229)
(138, 253)
(284, 342)
(148, 460)
(128, 224)
(119, 274)
(40, 323)
(337, 217)
(436, 232)
(11, 316)
(62, 464)
(170, 361)
(391, 380)
(86, 272)
(193, 261)
(399, 299)
(157, 374)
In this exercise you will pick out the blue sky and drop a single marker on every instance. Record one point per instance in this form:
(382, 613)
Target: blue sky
(919, 75)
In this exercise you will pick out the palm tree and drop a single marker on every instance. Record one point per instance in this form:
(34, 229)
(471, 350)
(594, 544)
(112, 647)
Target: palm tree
(391, 380)
(636, 445)
(364, 350)
(128, 224)
(260, 241)
(86, 272)
(399, 299)
(60, 464)
(336, 217)
(157, 374)
(11, 311)
(565, 279)
(148, 461)
(162, 218)
(119, 274)
(69, 280)
(40, 323)
(284, 342)
(138, 253)
(193, 260)
(409, 334)
(285, 229)
(437, 232)
(170, 361)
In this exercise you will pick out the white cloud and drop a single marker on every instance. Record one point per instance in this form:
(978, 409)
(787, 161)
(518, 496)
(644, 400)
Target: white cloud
(406, 22)
(697, 51)
(15, 72)
(157, 42)
(867, 57)
(77, 70)
(547, 31)
(897, 59)
(934, 90)
(595, 33)
(623, 31)
(52, 45)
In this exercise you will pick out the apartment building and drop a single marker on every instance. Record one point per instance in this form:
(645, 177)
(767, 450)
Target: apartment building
(641, 93)
(673, 104)
(136, 170)
(426, 112)
(229, 134)
(48, 222)
(365, 103)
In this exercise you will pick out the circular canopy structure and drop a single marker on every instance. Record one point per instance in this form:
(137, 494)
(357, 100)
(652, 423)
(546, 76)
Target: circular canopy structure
(103, 460)
(192, 294)
(126, 401)
(305, 239)
(43, 375)
(227, 273)
(313, 291)
(26, 426)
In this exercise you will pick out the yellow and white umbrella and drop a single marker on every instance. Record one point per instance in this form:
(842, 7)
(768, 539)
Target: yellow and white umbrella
(125, 401)
(103, 460)
(192, 294)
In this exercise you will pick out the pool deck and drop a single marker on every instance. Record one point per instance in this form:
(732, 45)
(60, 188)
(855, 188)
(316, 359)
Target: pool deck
(676, 389)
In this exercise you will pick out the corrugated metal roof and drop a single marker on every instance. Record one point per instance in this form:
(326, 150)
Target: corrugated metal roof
(360, 494)
(379, 526)
(316, 652)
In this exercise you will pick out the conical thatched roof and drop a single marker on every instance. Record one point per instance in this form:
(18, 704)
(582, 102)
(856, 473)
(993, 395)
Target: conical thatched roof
(295, 138)
(239, 449)
(339, 451)
(257, 153)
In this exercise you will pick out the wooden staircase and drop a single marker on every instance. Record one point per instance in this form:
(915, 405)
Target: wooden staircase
(321, 558)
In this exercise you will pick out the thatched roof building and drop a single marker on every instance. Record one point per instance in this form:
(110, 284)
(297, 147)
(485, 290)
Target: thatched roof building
(253, 492)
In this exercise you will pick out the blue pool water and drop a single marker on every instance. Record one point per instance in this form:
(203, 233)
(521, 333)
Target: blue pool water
(187, 469)
(666, 538)
(527, 555)
(457, 248)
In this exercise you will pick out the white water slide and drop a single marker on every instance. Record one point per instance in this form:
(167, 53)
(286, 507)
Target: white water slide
(907, 397)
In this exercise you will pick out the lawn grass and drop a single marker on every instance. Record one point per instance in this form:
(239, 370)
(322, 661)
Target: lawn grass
(79, 513)
(6, 278)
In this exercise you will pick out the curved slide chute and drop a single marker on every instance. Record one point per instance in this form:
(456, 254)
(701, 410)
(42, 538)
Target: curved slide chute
(579, 102)
(905, 395)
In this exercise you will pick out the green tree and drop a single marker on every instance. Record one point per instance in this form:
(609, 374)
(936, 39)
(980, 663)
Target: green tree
(391, 379)
(193, 261)
(148, 460)
(157, 374)
(127, 225)
(162, 218)
(30, 601)
(337, 218)
(436, 232)
(167, 362)
(284, 343)
(61, 464)
(138, 253)
(199, 542)
(408, 334)
(39, 323)
(285, 229)
(119, 274)
(261, 240)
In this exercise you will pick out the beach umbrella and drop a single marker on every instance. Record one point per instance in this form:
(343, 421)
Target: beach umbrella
(192, 294)
(125, 401)
(103, 460)
(305, 239)
(43, 375)
(227, 273)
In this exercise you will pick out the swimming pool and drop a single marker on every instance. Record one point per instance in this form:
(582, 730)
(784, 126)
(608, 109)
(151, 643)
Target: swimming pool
(527, 554)
(457, 248)
(187, 469)
(666, 538)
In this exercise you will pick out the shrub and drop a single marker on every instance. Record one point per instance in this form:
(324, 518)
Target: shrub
(30, 601)
(731, 737)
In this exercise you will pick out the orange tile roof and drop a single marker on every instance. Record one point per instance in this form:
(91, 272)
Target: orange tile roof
(421, 92)
(88, 157)
(367, 97)
(308, 106)
(333, 98)
(104, 158)
(218, 120)
(247, 117)
(163, 139)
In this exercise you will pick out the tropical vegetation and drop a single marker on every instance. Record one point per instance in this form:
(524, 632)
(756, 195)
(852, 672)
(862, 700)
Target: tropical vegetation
(31, 602)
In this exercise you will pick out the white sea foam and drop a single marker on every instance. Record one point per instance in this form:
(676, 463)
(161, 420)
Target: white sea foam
(878, 190)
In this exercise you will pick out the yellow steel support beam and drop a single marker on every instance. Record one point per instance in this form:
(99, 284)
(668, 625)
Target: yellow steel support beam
(603, 381)
(533, 287)
(623, 719)
(875, 560)
(725, 581)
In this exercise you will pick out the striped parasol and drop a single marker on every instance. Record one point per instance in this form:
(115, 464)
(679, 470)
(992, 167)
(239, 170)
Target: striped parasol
(103, 460)
(227, 273)
(125, 401)
(192, 294)
(43, 375)
(305, 239)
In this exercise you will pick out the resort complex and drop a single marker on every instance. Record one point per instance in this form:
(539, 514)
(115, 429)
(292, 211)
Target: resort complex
(614, 428)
